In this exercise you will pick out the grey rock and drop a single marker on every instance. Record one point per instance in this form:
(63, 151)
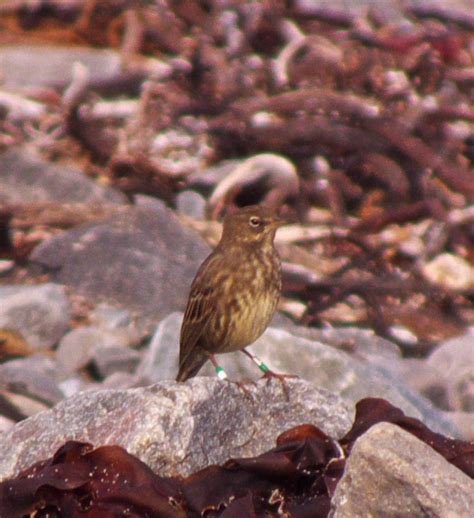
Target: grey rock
(460, 9)
(115, 359)
(5, 424)
(117, 326)
(110, 318)
(175, 428)
(142, 260)
(143, 201)
(449, 271)
(76, 349)
(392, 474)
(81, 345)
(160, 362)
(389, 10)
(74, 384)
(454, 361)
(32, 376)
(353, 379)
(191, 204)
(39, 312)
(17, 109)
(42, 65)
(18, 406)
(6, 266)
(361, 343)
(26, 177)
(350, 376)
(464, 422)
(123, 380)
(446, 378)
(423, 378)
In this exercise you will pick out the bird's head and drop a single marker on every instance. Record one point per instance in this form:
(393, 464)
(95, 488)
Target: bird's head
(251, 225)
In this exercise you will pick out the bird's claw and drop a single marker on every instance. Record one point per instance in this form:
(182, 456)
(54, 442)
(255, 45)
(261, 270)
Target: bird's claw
(282, 379)
(242, 387)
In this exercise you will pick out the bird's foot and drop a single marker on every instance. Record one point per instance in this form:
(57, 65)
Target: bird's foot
(269, 374)
(222, 375)
(243, 386)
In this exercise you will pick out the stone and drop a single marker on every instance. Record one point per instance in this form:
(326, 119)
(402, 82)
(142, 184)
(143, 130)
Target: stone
(6, 266)
(464, 422)
(32, 376)
(142, 260)
(21, 406)
(76, 383)
(17, 108)
(43, 65)
(26, 177)
(108, 360)
(424, 379)
(388, 10)
(160, 361)
(390, 473)
(454, 361)
(123, 380)
(450, 271)
(5, 424)
(143, 201)
(192, 204)
(175, 428)
(337, 371)
(40, 313)
(362, 343)
(76, 349)
(110, 318)
(81, 345)
(445, 379)
(324, 366)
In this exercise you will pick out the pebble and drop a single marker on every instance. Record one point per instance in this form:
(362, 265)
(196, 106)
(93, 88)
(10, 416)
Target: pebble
(109, 360)
(44, 65)
(26, 177)
(32, 377)
(40, 313)
(192, 204)
(161, 359)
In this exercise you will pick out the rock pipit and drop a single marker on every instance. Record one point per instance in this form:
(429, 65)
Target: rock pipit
(234, 294)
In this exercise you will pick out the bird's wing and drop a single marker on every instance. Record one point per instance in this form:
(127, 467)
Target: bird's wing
(200, 305)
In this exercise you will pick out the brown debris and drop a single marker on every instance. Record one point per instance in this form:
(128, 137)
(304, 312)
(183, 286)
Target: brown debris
(374, 114)
(12, 345)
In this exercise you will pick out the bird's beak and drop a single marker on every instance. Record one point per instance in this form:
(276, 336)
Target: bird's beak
(278, 222)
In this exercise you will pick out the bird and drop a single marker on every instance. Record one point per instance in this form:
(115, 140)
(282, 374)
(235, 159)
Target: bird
(234, 294)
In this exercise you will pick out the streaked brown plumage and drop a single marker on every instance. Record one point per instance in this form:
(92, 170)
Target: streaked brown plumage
(235, 292)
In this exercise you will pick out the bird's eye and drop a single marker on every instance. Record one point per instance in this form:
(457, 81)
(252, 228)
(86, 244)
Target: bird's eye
(254, 221)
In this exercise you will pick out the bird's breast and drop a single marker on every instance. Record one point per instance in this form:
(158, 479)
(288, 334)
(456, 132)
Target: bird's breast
(251, 301)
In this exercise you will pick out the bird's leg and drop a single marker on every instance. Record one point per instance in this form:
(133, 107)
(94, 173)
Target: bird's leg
(262, 366)
(222, 375)
(220, 372)
(268, 373)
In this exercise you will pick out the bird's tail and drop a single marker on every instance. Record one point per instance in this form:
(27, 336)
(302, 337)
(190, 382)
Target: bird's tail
(191, 365)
